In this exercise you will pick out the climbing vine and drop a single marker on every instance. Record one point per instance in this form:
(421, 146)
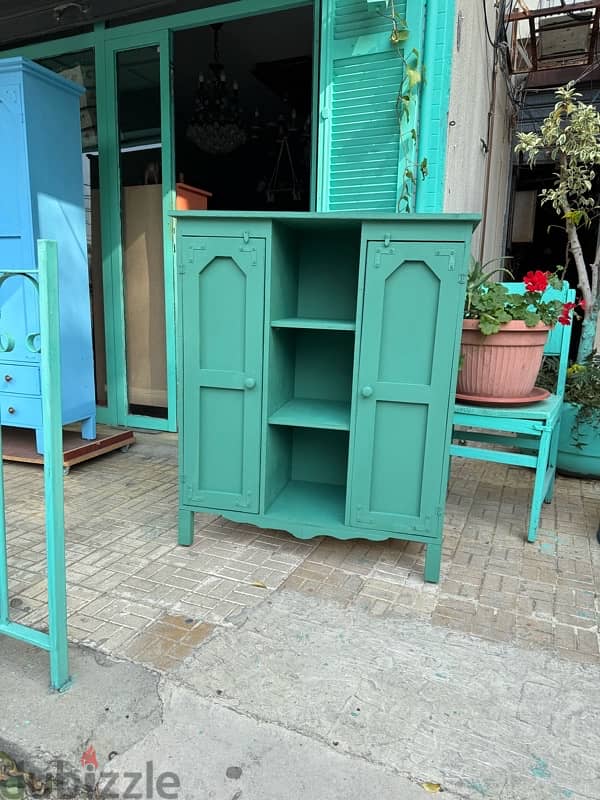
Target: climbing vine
(413, 76)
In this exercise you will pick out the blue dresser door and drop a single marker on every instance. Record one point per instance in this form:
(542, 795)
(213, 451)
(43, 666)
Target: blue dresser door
(13, 178)
(18, 298)
(222, 317)
(409, 332)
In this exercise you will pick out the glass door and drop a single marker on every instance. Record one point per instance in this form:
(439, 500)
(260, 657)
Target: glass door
(140, 168)
(139, 179)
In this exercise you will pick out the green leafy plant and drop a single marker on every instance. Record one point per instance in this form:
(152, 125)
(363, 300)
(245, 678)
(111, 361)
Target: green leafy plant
(582, 388)
(413, 76)
(493, 305)
(571, 135)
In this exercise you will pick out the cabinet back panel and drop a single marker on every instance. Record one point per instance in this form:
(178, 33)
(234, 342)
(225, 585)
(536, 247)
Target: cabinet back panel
(281, 369)
(284, 273)
(328, 274)
(324, 365)
(320, 456)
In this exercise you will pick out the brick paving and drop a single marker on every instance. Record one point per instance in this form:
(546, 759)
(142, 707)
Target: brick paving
(134, 593)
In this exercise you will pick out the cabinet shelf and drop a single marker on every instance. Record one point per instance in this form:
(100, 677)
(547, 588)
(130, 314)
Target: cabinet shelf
(305, 413)
(307, 323)
(302, 500)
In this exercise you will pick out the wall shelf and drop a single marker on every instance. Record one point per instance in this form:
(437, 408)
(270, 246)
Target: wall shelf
(326, 501)
(306, 413)
(306, 323)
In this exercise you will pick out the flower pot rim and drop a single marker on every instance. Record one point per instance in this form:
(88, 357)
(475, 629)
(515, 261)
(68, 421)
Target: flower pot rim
(513, 325)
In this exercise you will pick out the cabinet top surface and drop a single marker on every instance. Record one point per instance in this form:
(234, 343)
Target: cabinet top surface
(328, 216)
(24, 65)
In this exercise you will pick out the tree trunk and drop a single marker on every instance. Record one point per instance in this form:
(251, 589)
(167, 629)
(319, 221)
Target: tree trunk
(582, 273)
(588, 335)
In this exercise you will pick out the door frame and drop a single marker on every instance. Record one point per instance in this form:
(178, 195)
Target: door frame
(111, 225)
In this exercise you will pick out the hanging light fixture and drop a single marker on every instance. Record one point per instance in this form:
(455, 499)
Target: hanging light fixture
(217, 126)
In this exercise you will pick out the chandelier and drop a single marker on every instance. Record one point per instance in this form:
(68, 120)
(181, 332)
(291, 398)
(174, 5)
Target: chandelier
(217, 126)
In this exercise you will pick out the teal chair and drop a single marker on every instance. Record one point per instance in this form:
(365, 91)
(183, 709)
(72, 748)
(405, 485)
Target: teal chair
(528, 433)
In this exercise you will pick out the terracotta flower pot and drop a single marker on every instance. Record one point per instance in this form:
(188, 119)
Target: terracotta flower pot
(504, 364)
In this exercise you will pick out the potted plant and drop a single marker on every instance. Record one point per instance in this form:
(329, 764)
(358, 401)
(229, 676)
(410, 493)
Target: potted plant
(504, 335)
(579, 440)
(571, 135)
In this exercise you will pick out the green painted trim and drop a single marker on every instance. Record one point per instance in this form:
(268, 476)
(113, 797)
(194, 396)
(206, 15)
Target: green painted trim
(56, 47)
(50, 373)
(203, 16)
(103, 415)
(435, 100)
(314, 151)
(145, 423)
(108, 155)
(168, 185)
(307, 530)
(119, 387)
(322, 121)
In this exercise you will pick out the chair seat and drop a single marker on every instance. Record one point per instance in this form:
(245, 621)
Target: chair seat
(545, 410)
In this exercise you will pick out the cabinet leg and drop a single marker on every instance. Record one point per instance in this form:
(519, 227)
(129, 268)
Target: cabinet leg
(39, 440)
(433, 561)
(88, 428)
(186, 527)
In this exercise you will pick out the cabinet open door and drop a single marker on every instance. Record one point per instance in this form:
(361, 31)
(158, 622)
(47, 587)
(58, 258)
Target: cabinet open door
(222, 308)
(410, 305)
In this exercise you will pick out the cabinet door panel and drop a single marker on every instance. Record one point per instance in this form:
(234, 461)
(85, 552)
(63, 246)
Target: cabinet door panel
(407, 350)
(222, 308)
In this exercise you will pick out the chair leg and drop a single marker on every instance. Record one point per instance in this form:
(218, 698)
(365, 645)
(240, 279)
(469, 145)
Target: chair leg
(538, 486)
(552, 457)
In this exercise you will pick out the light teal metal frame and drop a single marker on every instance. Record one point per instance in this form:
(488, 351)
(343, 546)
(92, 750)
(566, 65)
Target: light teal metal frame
(45, 279)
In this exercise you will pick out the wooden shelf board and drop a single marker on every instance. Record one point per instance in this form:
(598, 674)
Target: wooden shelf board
(300, 501)
(315, 324)
(304, 413)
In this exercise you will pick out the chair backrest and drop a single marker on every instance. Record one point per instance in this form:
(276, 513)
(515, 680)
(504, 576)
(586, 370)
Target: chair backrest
(559, 337)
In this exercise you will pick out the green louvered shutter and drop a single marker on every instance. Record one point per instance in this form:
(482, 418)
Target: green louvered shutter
(360, 156)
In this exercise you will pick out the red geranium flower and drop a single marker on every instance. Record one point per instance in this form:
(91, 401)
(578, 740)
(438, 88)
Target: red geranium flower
(565, 317)
(536, 281)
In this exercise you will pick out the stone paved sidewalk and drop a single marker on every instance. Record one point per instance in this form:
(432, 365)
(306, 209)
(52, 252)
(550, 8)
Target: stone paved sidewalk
(133, 593)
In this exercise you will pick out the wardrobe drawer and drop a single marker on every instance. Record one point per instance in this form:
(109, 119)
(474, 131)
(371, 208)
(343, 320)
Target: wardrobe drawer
(19, 379)
(20, 411)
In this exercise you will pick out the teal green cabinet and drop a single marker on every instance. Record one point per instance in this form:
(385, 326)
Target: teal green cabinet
(318, 357)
